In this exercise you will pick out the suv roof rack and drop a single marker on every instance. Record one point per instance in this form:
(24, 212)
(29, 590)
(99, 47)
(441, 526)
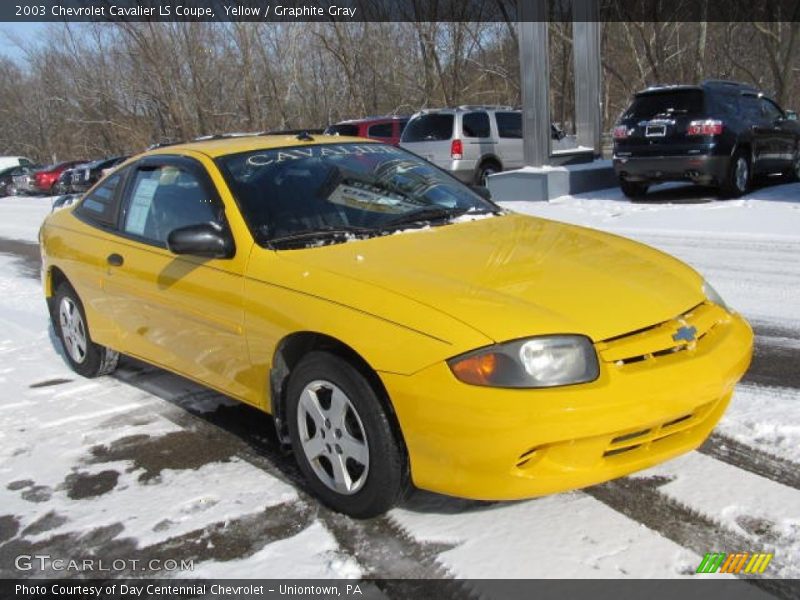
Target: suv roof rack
(485, 106)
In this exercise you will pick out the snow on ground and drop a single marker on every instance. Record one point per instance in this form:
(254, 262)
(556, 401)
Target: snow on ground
(65, 469)
(79, 457)
(22, 216)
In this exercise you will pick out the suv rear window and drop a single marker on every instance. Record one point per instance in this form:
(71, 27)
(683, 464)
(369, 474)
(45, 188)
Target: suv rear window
(429, 128)
(342, 129)
(665, 104)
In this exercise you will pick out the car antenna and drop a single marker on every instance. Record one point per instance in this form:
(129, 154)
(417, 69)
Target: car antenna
(304, 136)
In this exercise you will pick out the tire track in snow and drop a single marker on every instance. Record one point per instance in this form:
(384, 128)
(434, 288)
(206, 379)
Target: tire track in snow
(753, 460)
(639, 499)
(381, 547)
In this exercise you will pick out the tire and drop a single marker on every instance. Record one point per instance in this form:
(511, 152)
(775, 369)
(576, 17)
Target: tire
(739, 175)
(333, 412)
(69, 321)
(487, 168)
(4, 190)
(792, 174)
(633, 189)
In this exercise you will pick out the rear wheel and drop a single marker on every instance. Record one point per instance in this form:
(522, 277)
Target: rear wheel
(737, 181)
(487, 168)
(69, 320)
(342, 438)
(793, 172)
(633, 189)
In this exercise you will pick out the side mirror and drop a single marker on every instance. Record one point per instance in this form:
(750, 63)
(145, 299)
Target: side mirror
(206, 240)
(482, 191)
(791, 115)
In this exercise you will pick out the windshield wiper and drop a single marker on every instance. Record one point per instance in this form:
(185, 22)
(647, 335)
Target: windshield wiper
(326, 232)
(428, 213)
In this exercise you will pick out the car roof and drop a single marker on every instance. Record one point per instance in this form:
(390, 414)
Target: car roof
(234, 145)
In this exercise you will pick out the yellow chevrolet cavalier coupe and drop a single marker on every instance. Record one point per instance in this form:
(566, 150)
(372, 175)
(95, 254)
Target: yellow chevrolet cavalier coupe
(399, 326)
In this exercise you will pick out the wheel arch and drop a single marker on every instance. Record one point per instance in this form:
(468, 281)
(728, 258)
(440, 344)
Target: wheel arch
(290, 351)
(54, 277)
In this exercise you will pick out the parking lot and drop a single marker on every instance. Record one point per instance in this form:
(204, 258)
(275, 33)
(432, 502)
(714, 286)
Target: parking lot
(146, 467)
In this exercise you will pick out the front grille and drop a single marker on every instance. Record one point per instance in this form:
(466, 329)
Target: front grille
(659, 341)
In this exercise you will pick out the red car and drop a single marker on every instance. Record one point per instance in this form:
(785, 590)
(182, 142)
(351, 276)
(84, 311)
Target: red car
(44, 179)
(383, 129)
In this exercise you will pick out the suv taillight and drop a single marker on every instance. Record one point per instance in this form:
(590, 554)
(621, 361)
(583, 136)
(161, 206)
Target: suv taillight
(707, 127)
(457, 150)
(621, 132)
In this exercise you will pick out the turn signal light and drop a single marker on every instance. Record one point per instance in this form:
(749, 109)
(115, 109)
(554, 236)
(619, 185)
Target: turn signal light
(477, 369)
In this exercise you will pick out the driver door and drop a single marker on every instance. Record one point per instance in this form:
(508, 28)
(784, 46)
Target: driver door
(181, 312)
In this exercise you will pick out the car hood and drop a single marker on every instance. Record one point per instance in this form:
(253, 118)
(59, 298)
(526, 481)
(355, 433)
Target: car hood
(512, 276)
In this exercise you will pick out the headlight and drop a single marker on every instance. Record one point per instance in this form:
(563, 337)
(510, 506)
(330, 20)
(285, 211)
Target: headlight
(713, 295)
(530, 363)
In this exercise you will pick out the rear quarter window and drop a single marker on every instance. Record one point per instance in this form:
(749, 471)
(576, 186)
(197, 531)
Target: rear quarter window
(380, 130)
(476, 125)
(429, 128)
(509, 125)
(101, 205)
(342, 129)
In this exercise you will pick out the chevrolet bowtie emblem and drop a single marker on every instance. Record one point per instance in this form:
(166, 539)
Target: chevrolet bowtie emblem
(685, 334)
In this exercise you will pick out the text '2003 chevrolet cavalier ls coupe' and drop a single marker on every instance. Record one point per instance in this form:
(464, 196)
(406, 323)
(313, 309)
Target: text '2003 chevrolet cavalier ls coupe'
(400, 328)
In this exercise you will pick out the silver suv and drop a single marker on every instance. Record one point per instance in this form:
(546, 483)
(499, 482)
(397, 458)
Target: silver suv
(471, 142)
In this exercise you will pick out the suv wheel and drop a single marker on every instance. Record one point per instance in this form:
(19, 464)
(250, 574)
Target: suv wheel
(737, 181)
(633, 189)
(793, 173)
(342, 437)
(486, 169)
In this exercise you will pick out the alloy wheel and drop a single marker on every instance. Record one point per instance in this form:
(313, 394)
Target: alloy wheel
(333, 437)
(73, 330)
(742, 174)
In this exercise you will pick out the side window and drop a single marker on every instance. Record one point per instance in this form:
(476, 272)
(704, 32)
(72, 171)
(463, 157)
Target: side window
(750, 108)
(476, 124)
(101, 205)
(509, 125)
(165, 198)
(724, 104)
(382, 130)
(770, 110)
(25, 162)
(401, 125)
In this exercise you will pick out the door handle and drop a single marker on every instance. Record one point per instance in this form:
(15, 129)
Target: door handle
(115, 260)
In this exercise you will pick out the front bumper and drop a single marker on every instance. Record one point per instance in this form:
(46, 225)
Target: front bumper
(698, 168)
(502, 444)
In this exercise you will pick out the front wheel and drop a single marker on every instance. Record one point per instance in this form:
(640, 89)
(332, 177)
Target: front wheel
(342, 437)
(69, 320)
(737, 181)
(633, 189)
(793, 172)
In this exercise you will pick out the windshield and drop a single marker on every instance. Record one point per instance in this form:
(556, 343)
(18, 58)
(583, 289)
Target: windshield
(335, 192)
(666, 104)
